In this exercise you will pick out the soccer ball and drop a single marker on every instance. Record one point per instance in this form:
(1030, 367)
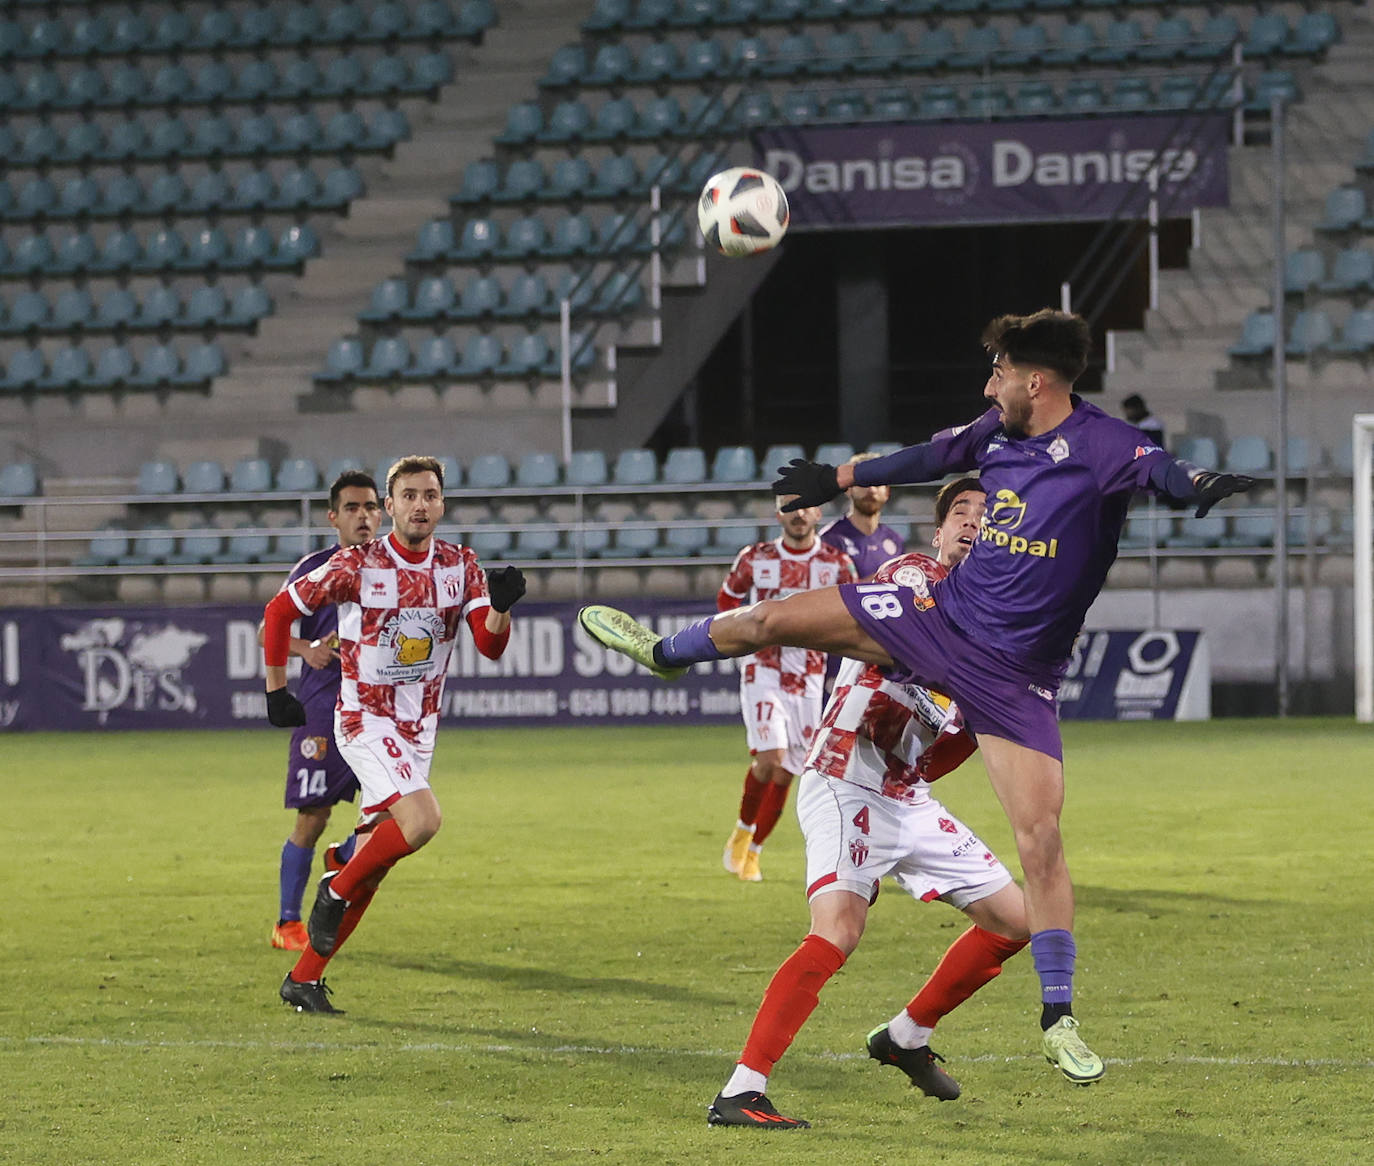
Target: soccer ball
(742, 211)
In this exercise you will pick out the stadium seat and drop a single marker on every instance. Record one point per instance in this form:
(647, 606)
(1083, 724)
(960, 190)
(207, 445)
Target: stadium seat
(25, 368)
(536, 470)
(389, 358)
(1311, 332)
(114, 366)
(685, 465)
(524, 237)
(567, 66)
(528, 296)
(206, 306)
(635, 467)
(614, 119)
(734, 463)
(615, 176)
(435, 357)
(297, 475)
(18, 480)
(1266, 34)
(1256, 338)
(156, 477)
(1271, 84)
(161, 305)
(1201, 451)
(1132, 93)
(118, 308)
(29, 311)
(490, 539)
(1213, 39)
(1248, 455)
(587, 467)
(203, 477)
(1250, 530)
(490, 471)
(530, 355)
(250, 475)
(1352, 273)
(1345, 210)
(204, 362)
(834, 453)
(777, 456)
(69, 368)
(297, 243)
(1357, 334)
(481, 354)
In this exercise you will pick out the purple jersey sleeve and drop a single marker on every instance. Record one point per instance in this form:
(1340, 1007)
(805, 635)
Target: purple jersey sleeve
(950, 451)
(318, 689)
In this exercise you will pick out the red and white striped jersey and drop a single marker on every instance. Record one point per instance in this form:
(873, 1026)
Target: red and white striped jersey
(770, 570)
(891, 738)
(397, 623)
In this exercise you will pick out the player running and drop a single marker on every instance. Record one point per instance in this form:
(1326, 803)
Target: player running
(780, 689)
(401, 601)
(866, 811)
(317, 776)
(996, 634)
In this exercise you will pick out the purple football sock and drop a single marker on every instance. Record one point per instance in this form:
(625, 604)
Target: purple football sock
(1053, 953)
(295, 873)
(691, 645)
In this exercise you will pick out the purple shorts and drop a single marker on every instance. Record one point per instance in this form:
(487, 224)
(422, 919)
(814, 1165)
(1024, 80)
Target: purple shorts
(316, 773)
(997, 694)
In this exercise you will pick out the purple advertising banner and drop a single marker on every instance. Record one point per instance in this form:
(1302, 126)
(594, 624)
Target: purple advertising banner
(1011, 171)
(181, 668)
(167, 668)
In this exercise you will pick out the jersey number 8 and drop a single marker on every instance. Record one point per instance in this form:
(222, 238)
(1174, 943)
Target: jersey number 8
(880, 600)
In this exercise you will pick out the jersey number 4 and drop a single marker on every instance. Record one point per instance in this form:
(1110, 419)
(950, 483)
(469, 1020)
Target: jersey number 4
(861, 820)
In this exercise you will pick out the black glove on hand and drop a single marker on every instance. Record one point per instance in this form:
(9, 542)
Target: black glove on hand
(284, 710)
(506, 585)
(1212, 488)
(814, 483)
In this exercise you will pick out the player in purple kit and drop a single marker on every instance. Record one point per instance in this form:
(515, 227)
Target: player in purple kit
(860, 534)
(317, 776)
(996, 634)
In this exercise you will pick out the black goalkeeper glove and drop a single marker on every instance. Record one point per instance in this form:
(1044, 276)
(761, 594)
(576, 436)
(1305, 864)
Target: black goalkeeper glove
(814, 483)
(284, 710)
(1212, 488)
(505, 585)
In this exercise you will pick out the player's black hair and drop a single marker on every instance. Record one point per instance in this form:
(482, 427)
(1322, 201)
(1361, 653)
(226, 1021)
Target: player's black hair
(949, 492)
(346, 479)
(1055, 340)
(414, 463)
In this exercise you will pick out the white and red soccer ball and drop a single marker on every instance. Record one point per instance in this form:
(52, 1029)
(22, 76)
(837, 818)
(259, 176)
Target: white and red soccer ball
(743, 211)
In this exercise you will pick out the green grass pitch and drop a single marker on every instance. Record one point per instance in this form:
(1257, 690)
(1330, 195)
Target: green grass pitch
(566, 974)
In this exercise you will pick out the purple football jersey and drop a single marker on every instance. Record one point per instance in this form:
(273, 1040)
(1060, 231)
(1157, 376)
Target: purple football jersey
(1055, 507)
(869, 551)
(318, 689)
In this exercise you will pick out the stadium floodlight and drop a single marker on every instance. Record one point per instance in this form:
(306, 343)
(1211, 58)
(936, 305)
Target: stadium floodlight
(1362, 443)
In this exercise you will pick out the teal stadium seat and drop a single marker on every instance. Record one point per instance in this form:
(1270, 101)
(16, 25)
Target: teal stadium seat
(114, 366)
(1357, 335)
(1248, 455)
(1352, 273)
(1310, 334)
(734, 464)
(491, 471)
(435, 358)
(537, 470)
(481, 354)
(685, 465)
(203, 477)
(157, 477)
(587, 467)
(635, 467)
(18, 480)
(1266, 35)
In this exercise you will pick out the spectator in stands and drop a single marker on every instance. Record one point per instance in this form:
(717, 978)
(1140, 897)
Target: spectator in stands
(317, 776)
(1138, 413)
(860, 534)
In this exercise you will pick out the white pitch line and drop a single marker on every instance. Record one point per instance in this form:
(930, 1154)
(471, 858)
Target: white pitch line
(634, 1051)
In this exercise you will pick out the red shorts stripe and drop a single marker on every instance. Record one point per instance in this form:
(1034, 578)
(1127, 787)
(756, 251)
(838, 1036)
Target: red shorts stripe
(823, 881)
(380, 806)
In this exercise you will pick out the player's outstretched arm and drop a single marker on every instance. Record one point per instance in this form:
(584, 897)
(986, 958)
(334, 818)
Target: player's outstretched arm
(1187, 483)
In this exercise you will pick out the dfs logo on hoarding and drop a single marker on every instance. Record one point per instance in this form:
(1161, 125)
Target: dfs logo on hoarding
(133, 666)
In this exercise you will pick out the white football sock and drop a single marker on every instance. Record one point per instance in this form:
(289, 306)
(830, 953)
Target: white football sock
(744, 1080)
(906, 1033)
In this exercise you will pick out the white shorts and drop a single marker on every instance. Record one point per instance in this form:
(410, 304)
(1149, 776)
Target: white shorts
(774, 719)
(854, 836)
(386, 765)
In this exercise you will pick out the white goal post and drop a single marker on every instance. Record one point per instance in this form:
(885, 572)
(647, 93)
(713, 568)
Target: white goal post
(1362, 442)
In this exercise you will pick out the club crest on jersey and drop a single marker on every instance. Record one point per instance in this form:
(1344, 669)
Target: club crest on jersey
(1058, 450)
(1142, 450)
(948, 827)
(314, 748)
(410, 637)
(858, 852)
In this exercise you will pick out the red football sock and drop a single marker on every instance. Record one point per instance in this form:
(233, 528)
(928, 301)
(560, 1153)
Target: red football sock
(384, 849)
(311, 965)
(791, 996)
(774, 798)
(972, 960)
(753, 795)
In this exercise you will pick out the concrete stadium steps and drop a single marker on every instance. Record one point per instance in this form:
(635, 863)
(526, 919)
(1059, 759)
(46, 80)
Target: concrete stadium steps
(1179, 362)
